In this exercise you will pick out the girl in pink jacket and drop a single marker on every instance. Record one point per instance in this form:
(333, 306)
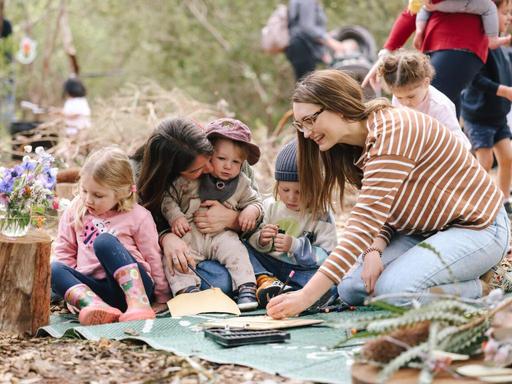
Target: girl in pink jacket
(108, 257)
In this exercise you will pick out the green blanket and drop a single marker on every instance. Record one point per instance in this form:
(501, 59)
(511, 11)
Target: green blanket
(308, 355)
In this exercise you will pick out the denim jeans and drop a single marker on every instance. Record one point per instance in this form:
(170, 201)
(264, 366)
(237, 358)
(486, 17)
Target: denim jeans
(112, 255)
(264, 264)
(216, 274)
(465, 255)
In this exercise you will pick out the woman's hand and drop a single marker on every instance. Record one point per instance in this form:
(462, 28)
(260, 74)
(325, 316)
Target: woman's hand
(293, 303)
(215, 218)
(180, 226)
(288, 304)
(177, 253)
(283, 242)
(267, 233)
(372, 268)
(247, 218)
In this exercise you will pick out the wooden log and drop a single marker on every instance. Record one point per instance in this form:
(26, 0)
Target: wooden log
(369, 374)
(25, 282)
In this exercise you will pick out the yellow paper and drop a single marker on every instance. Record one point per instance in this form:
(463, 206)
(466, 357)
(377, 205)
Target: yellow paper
(210, 300)
(259, 323)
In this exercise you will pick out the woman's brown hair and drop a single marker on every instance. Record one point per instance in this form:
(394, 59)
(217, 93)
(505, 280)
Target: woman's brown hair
(405, 69)
(338, 92)
(170, 150)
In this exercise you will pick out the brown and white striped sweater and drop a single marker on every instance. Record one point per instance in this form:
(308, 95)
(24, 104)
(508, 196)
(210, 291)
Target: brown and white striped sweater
(417, 179)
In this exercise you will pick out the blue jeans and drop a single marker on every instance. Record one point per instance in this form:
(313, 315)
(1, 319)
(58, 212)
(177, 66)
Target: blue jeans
(112, 255)
(409, 268)
(216, 274)
(264, 264)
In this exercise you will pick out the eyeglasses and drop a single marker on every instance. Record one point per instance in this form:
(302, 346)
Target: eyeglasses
(306, 123)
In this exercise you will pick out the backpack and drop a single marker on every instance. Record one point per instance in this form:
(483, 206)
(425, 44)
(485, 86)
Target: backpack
(274, 35)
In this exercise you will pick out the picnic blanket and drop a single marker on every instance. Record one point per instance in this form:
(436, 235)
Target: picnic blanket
(308, 355)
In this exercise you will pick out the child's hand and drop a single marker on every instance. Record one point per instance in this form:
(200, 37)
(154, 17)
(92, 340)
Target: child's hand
(180, 226)
(429, 5)
(247, 218)
(268, 232)
(505, 91)
(283, 242)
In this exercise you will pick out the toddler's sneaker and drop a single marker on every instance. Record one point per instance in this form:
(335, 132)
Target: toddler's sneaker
(247, 297)
(268, 287)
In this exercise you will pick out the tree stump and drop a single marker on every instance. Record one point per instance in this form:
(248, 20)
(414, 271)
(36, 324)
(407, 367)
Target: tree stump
(369, 374)
(25, 282)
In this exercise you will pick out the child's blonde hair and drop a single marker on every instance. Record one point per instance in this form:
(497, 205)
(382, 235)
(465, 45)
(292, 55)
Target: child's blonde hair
(110, 167)
(405, 68)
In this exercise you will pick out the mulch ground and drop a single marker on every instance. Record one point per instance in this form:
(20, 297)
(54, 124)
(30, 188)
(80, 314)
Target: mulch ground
(48, 360)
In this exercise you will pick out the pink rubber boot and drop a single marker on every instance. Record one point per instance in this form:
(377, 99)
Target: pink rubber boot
(130, 282)
(93, 310)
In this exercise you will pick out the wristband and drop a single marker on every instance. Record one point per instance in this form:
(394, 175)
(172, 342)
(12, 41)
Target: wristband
(371, 249)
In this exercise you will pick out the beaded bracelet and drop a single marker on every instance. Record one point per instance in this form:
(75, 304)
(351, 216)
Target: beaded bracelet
(371, 249)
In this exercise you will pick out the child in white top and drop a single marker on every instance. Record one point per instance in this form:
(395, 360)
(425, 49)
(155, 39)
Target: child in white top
(108, 259)
(407, 75)
(289, 238)
(76, 110)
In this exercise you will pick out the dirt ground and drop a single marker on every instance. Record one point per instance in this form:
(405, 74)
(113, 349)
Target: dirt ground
(48, 360)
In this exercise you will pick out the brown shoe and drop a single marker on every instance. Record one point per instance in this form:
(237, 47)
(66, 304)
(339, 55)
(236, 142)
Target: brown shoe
(269, 287)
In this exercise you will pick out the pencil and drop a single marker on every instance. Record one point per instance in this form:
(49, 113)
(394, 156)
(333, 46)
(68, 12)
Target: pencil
(292, 272)
(200, 276)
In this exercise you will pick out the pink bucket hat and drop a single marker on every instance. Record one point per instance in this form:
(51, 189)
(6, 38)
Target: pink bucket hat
(235, 130)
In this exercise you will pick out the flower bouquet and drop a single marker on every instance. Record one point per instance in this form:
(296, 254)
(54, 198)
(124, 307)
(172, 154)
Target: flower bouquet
(25, 189)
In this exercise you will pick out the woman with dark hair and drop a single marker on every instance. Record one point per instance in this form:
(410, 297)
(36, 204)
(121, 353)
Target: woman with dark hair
(428, 218)
(178, 147)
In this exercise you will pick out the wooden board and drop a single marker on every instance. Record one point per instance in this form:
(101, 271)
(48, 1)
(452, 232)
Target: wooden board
(368, 374)
(24, 282)
(260, 323)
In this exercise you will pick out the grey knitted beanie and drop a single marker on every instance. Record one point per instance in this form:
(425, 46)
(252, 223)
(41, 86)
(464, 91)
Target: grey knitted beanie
(286, 163)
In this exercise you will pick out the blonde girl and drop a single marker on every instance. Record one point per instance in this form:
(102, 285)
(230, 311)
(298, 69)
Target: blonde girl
(408, 76)
(289, 238)
(107, 254)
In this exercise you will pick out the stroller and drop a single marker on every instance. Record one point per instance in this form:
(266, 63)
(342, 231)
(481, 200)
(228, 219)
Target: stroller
(357, 60)
(360, 58)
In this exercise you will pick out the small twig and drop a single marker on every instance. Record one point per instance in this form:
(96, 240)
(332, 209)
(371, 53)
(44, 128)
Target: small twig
(201, 17)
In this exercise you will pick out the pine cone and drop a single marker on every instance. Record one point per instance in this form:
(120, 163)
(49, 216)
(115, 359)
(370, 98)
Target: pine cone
(383, 350)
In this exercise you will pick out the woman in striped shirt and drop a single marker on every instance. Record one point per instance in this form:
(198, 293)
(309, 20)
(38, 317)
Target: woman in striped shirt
(419, 189)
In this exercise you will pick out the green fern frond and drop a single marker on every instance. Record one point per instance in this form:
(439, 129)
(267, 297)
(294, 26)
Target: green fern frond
(402, 360)
(384, 326)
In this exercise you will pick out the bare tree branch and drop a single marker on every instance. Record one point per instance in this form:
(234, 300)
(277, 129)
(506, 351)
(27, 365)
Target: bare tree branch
(192, 5)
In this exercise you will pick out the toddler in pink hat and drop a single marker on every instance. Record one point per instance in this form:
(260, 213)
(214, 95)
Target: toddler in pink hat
(231, 140)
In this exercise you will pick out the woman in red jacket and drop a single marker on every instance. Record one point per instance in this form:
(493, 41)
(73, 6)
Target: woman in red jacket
(455, 42)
